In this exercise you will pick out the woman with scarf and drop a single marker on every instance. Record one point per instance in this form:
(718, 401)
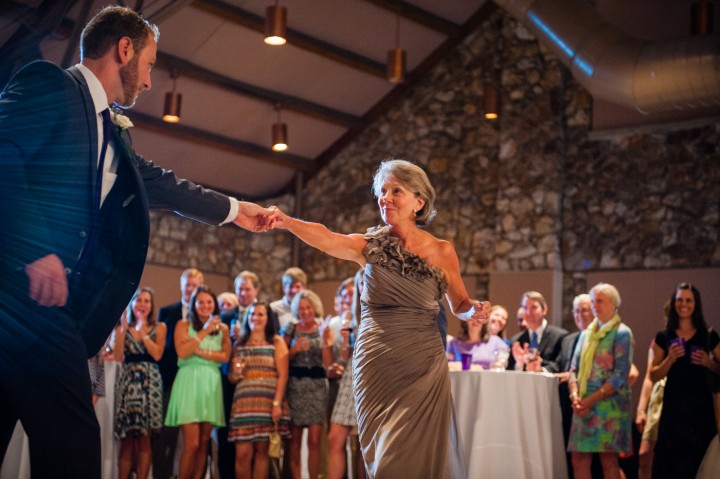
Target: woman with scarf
(601, 395)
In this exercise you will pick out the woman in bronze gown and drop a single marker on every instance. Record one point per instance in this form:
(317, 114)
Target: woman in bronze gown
(400, 373)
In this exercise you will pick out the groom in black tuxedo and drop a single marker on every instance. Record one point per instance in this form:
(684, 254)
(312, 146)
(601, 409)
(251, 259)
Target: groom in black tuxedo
(75, 200)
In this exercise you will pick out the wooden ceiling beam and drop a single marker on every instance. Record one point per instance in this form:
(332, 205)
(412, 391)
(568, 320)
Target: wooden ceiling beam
(294, 37)
(190, 70)
(418, 15)
(231, 145)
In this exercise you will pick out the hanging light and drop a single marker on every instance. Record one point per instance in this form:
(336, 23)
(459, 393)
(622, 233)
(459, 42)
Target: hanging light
(275, 25)
(173, 99)
(396, 58)
(279, 133)
(702, 19)
(491, 102)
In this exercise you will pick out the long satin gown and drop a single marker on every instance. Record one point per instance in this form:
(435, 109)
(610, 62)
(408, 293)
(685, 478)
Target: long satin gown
(404, 406)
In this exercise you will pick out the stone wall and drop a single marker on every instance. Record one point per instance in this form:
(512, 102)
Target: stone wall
(531, 191)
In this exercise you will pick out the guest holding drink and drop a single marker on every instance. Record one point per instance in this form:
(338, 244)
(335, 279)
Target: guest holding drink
(475, 339)
(601, 394)
(307, 386)
(139, 345)
(681, 353)
(259, 366)
(203, 343)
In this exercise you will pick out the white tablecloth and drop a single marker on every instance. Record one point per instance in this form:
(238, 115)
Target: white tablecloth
(17, 459)
(510, 424)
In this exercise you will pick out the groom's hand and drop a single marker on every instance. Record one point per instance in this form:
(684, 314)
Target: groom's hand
(48, 284)
(253, 217)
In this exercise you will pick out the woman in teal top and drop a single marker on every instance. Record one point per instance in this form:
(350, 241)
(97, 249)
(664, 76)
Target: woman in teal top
(202, 343)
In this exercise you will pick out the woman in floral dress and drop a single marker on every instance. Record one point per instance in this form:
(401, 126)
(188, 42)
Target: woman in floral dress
(139, 345)
(601, 394)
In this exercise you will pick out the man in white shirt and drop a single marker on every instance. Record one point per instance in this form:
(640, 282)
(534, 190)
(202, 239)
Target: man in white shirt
(75, 216)
(294, 280)
(538, 348)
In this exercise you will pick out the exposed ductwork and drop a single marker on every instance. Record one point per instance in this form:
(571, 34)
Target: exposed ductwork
(650, 76)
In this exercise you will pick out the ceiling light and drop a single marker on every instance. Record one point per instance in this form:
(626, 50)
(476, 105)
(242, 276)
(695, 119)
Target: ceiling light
(702, 18)
(396, 59)
(275, 25)
(279, 133)
(491, 102)
(171, 110)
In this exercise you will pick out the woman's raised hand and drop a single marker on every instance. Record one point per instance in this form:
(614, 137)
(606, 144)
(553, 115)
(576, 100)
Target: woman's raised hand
(481, 310)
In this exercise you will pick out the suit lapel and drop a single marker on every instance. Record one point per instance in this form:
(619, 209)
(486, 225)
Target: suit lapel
(91, 121)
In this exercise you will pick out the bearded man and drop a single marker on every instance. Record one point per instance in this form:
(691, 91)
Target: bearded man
(75, 215)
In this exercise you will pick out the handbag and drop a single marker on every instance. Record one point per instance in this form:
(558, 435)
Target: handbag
(275, 447)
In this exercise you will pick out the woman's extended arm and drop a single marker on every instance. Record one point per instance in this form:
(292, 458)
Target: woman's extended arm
(348, 247)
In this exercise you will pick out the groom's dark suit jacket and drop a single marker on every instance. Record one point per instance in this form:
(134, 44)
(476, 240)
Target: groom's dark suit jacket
(549, 347)
(48, 151)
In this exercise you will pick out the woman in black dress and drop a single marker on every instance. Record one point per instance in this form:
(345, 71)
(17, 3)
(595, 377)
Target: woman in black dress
(682, 353)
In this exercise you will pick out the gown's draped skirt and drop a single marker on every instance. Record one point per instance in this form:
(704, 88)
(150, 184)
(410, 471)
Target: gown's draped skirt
(402, 387)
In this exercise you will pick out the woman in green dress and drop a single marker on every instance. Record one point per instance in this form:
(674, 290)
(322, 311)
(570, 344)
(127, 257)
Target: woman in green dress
(202, 343)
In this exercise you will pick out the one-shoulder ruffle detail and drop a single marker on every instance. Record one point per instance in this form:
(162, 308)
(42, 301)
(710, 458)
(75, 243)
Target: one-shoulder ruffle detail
(386, 250)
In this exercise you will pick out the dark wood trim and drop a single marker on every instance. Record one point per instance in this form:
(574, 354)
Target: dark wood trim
(231, 145)
(294, 37)
(420, 16)
(185, 68)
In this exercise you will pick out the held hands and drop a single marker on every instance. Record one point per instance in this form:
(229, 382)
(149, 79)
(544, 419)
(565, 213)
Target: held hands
(47, 281)
(254, 217)
(581, 407)
(278, 219)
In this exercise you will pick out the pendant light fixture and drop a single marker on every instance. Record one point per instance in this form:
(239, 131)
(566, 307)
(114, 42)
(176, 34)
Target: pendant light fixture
(173, 99)
(396, 58)
(491, 102)
(279, 132)
(275, 25)
(702, 17)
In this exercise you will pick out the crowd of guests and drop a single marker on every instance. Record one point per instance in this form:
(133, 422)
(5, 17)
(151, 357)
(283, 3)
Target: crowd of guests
(250, 369)
(239, 368)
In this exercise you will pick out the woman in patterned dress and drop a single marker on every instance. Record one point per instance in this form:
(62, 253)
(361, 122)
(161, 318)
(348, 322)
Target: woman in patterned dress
(259, 366)
(307, 388)
(139, 345)
(202, 343)
(601, 394)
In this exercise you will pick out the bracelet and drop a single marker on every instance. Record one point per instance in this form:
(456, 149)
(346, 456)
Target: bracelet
(276, 403)
(602, 391)
(641, 411)
(574, 395)
(197, 339)
(145, 338)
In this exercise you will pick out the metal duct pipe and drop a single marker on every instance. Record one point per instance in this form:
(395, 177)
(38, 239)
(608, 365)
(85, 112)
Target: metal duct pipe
(650, 76)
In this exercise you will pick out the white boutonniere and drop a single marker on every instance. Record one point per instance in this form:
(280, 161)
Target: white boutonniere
(121, 121)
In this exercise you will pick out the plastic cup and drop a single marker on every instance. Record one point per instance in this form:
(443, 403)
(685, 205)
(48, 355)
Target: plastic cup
(466, 360)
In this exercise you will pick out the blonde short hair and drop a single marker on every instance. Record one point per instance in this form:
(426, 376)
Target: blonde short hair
(310, 296)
